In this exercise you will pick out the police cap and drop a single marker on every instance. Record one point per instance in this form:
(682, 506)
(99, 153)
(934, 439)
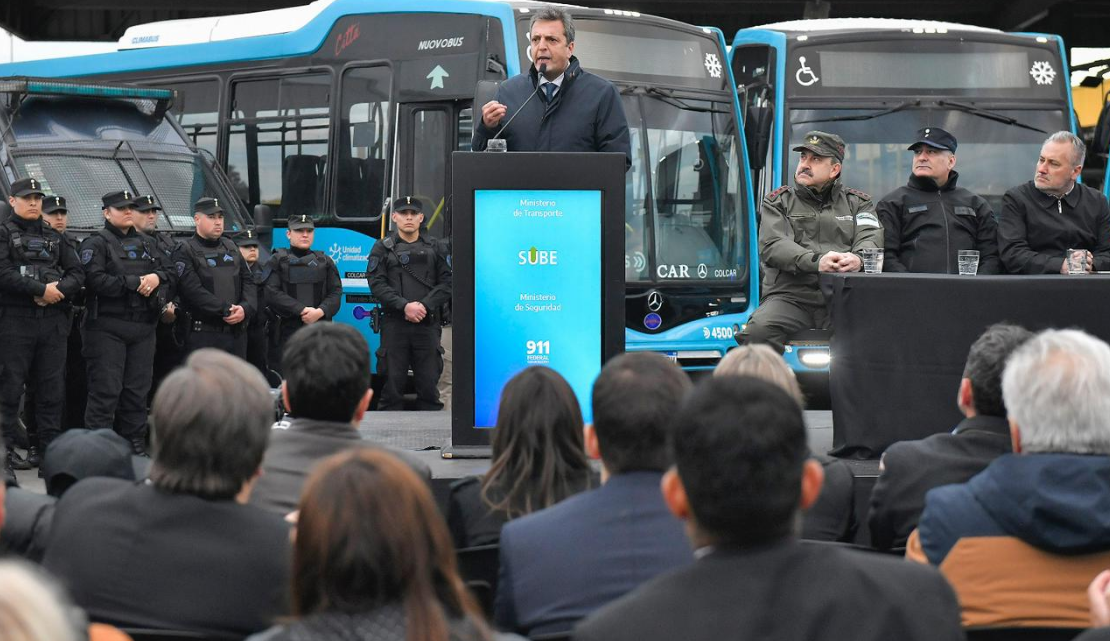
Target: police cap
(118, 199)
(27, 186)
(301, 221)
(408, 203)
(208, 206)
(823, 144)
(145, 204)
(54, 204)
(935, 137)
(247, 238)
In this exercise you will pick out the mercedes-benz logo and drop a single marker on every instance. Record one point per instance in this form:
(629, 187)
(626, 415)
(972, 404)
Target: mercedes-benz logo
(655, 300)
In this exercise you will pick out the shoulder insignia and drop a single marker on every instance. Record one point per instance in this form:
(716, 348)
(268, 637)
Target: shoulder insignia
(861, 194)
(778, 192)
(372, 264)
(86, 256)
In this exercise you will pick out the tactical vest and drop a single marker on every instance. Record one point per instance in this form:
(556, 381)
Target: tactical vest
(418, 266)
(304, 277)
(218, 268)
(127, 256)
(37, 257)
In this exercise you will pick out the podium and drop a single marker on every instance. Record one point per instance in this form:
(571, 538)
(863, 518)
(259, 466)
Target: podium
(538, 264)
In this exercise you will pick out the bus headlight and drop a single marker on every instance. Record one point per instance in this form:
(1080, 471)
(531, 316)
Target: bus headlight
(815, 358)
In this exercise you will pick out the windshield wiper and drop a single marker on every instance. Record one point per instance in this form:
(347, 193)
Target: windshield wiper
(667, 96)
(989, 115)
(874, 114)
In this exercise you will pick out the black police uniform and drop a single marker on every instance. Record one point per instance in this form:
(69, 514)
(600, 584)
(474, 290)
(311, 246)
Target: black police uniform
(34, 351)
(399, 273)
(301, 278)
(168, 342)
(119, 326)
(258, 327)
(212, 277)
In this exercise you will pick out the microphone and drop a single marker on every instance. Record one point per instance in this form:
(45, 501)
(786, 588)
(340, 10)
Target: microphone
(541, 71)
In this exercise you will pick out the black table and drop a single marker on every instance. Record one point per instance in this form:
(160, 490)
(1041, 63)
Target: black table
(900, 342)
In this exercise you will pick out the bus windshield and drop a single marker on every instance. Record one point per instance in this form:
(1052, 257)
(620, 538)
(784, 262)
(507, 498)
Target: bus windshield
(686, 213)
(82, 149)
(992, 155)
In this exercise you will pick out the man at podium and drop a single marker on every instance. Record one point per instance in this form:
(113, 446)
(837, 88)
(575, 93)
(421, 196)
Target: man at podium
(561, 107)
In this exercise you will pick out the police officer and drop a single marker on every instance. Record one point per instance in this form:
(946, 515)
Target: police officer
(818, 225)
(304, 285)
(122, 278)
(929, 220)
(214, 284)
(168, 353)
(257, 326)
(412, 280)
(37, 274)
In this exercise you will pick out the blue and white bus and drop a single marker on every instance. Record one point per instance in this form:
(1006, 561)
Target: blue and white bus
(875, 82)
(331, 108)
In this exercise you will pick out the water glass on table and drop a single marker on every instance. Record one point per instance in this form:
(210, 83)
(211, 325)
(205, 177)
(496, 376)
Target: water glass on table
(968, 262)
(872, 260)
(1077, 261)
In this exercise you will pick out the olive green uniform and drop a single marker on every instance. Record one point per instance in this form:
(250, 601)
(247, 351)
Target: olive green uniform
(799, 225)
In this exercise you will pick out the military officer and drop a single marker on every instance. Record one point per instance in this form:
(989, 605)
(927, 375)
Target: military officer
(411, 280)
(122, 279)
(303, 286)
(214, 284)
(818, 225)
(258, 325)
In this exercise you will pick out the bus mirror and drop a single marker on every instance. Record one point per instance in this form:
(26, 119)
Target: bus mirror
(1100, 143)
(485, 91)
(263, 221)
(757, 134)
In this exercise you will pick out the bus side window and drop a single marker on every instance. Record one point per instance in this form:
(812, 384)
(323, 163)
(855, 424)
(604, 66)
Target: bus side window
(278, 143)
(364, 139)
(429, 164)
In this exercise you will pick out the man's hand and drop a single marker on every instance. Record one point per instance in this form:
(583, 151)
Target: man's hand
(52, 294)
(236, 316)
(169, 313)
(415, 312)
(492, 113)
(1099, 600)
(310, 315)
(849, 262)
(148, 283)
(830, 262)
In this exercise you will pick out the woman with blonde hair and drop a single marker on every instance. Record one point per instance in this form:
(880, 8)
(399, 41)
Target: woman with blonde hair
(832, 518)
(33, 608)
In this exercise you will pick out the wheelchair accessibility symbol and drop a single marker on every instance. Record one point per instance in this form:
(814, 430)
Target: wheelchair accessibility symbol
(804, 75)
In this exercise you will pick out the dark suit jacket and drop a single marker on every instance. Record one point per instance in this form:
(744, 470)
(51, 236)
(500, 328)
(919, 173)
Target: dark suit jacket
(134, 555)
(788, 591)
(912, 468)
(560, 564)
(27, 517)
(293, 451)
(833, 516)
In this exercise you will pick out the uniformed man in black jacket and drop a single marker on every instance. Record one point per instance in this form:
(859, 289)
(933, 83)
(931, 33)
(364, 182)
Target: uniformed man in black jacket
(411, 280)
(214, 284)
(168, 352)
(37, 274)
(257, 327)
(304, 285)
(927, 222)
(122, 278)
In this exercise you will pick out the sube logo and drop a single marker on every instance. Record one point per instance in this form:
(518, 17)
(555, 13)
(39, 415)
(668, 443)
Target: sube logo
(535, 256)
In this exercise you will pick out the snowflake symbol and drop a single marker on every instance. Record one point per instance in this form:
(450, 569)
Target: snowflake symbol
(713, 65)
(1042, 72)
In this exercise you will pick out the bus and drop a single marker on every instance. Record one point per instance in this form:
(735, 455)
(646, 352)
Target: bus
(332, 108)
(875, 82)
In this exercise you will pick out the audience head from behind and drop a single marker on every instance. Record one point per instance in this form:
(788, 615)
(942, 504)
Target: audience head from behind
(764, 363)
(980, 392)
(1057, 392)
(34, 608)
(368, 563)
(211, 421)
(742, 468)
(327, 373)
(538, 453)
(633, 399)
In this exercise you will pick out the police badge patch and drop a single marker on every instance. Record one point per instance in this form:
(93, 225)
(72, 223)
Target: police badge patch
(180, 268)
(211, 262)
(372, 264)
(404, 258)
(86, 256)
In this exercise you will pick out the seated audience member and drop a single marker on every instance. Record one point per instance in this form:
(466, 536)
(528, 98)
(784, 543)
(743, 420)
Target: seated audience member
(560, 564)
(367, 568)
(182, 551)
(1099, 599)
(72, 456)
(911, 468)
(832, 517)
(33, 608)
(327, 391)
(742, 471)
(538, 459)
(1044, 218)
(929, 220)
(1021, 540)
